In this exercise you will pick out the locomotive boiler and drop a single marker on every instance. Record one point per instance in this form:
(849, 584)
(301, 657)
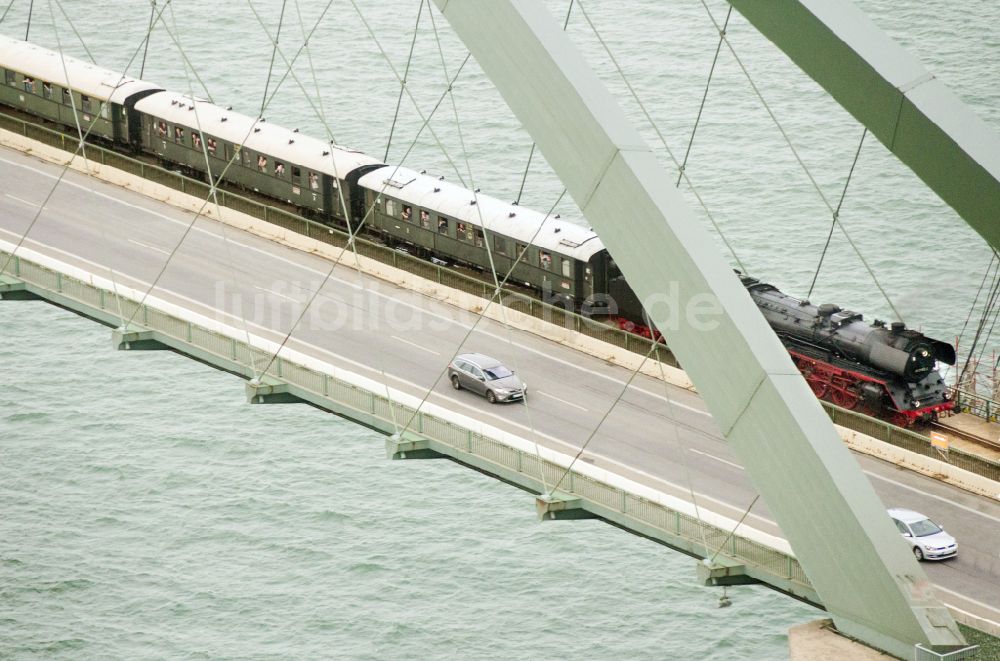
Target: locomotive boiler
(884, 369)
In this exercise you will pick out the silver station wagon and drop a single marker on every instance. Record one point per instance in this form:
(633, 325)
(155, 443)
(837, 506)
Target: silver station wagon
(486, 376)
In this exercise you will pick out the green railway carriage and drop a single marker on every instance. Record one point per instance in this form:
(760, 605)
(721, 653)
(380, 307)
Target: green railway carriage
(561, 259)
(69, 91)
(271, 160)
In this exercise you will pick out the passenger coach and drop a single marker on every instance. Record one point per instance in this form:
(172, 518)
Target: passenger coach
(69, 91)
(565, 260)
(268, 159)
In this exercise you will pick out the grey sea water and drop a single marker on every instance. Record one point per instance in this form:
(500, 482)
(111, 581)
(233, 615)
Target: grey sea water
(147, 512)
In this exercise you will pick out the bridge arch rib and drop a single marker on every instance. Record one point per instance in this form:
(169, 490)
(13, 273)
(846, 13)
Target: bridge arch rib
(868, 581)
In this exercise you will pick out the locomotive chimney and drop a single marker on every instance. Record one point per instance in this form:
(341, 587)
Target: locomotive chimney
(898, 327)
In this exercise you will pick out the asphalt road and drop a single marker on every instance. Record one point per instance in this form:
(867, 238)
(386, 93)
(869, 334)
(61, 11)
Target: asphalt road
(656, 434)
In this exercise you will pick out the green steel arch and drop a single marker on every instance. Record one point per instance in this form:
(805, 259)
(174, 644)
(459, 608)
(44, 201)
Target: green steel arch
(869, 581)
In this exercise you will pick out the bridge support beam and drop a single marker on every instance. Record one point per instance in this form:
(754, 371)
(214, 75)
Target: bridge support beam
(12, 289)
(723, 572)
(558, 506)
(270, 391)
(136, 340)
(868, 581)
(410, 446)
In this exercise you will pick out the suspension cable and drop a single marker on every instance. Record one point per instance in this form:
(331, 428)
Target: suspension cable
(9, 5)
(990, 267)
(402, 84)
(531, 153)
(149, 34)
(213, 183)
(704, 97)
(222, 175)
(277, 36)
(660, 136)
(72, 27)
(836, 212)
(798, 158)
(31, 7)
(65, 168)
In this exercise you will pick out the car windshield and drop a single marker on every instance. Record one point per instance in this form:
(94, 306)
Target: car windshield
(498, 372)
(924, 528)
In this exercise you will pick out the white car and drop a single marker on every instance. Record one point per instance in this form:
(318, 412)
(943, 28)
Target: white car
(928, 539)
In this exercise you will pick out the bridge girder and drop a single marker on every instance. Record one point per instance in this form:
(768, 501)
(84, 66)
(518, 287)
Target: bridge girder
(867, 579)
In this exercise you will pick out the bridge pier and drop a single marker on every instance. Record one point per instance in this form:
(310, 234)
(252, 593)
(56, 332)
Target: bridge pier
(410, 446)
(12, 289)
(136, 340)
(559, 506)
(723, 571)
(270, 391)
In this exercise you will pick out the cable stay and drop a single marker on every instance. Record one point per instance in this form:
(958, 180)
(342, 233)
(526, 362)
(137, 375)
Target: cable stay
(966, 379)
(819, 191)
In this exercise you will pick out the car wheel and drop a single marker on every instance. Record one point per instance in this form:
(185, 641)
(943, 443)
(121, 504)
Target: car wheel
(455, 382)
(491, 397)
(917, 553)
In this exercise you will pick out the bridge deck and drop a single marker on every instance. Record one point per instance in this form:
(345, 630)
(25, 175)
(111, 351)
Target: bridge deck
(367, 326)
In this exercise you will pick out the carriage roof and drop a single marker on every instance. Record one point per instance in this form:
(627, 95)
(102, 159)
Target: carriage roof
(453, 201)
(275, 141)
(69, 72)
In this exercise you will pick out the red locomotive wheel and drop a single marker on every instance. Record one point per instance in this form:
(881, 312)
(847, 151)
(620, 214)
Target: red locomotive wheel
(819, 387)
(845, 398)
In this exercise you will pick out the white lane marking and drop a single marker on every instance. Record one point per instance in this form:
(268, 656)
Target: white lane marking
(560, 399)
(146, 245)
(967, 599)
(719, 459)
(935, 497)
(22, 201)
(270, 292)
(414, 344)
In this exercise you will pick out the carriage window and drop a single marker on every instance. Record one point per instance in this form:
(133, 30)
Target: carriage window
(47, 90)
(567, 268)
(390, 207)
(262, 163)
(464, 232)
(67, 97)
(161, 129)
(29, 84)
(500, 244)
(296, 172)
(521, 252)
(212, 146)
(196, 139)
(178, 134)
(313, 181)
(279, 168)
(425, 219)
(545, 260)
(85, 103)
(442, 225)
(11, 79)
(407, 212)
(479, 239)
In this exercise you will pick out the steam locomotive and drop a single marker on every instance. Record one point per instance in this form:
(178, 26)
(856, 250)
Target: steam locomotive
(884, 370)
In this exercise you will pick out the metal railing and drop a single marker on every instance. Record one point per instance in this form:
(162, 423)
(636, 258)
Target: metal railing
(977, 405)
(448, 277)
(645, 516)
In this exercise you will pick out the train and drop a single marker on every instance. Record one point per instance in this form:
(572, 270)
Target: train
(885, 370)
